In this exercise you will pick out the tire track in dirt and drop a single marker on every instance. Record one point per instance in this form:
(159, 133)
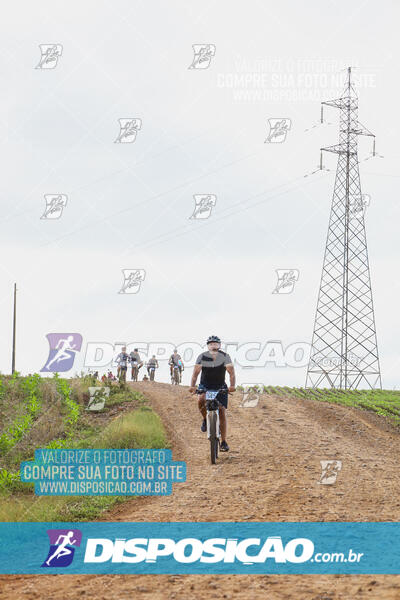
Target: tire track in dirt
(270, 474)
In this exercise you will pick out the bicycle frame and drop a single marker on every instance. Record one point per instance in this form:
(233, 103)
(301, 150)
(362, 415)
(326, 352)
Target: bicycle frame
(134, 369)
(176, 370)
(212, 406)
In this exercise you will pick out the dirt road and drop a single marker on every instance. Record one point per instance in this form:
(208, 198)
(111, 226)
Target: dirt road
(270, 474)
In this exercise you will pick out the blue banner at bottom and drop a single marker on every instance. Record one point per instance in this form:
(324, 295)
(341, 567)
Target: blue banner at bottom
(183, 548)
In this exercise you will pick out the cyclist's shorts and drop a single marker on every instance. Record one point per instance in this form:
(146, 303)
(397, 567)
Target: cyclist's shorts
(222, 396)
(123, 368)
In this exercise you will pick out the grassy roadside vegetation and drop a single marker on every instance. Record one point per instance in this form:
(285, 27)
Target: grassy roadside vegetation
(383, 402)
(40, 412)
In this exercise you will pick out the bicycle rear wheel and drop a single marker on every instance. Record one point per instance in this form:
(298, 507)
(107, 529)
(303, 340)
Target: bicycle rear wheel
(213, 438)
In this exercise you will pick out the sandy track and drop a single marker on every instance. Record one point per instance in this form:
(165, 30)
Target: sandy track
(270, 474)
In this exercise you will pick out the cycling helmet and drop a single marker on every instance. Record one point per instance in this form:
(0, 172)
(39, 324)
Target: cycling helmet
(213, 338)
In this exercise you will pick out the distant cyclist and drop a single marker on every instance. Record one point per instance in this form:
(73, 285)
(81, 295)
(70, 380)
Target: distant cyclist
(213, 365)
(122, 360)
(134, 357)
(152, 363)
(176, 360)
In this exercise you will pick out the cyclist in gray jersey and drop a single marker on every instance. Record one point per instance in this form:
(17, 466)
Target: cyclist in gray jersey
(176, 360)
(134, 357)
(213, 365)
(122, 360)
(153, 362)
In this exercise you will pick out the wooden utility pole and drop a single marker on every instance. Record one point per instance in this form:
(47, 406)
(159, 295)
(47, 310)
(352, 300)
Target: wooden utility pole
(14, 328)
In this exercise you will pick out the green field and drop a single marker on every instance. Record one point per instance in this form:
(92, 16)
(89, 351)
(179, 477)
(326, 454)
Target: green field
(40, 412)
(383, 402)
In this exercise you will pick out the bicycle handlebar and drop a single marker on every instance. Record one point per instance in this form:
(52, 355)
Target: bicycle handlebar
(222, 389)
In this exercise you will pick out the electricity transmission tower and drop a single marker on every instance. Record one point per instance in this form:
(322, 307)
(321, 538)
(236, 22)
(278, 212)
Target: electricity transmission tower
(344, 351)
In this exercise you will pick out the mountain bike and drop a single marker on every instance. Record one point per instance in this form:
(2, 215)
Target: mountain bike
(176, 376)
(135, 370)
(122, 374)
(152, 371)
(213, 431)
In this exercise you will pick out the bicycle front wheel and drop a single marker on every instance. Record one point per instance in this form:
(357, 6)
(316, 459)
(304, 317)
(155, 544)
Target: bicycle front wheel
(213, 438)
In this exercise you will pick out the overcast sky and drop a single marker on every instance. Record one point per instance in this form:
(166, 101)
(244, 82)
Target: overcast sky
(202, 132)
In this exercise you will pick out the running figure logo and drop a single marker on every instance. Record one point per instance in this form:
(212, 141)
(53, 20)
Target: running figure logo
(203, 205)
(61, 551)
(358, 206)
(132, 280)
(278, 129)
(55, 203)
(330, 470)
(203, 54)
(251, 394)
(286, 280)
(63, 347)
(50, 53)
(128, 129)
(98, 397)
